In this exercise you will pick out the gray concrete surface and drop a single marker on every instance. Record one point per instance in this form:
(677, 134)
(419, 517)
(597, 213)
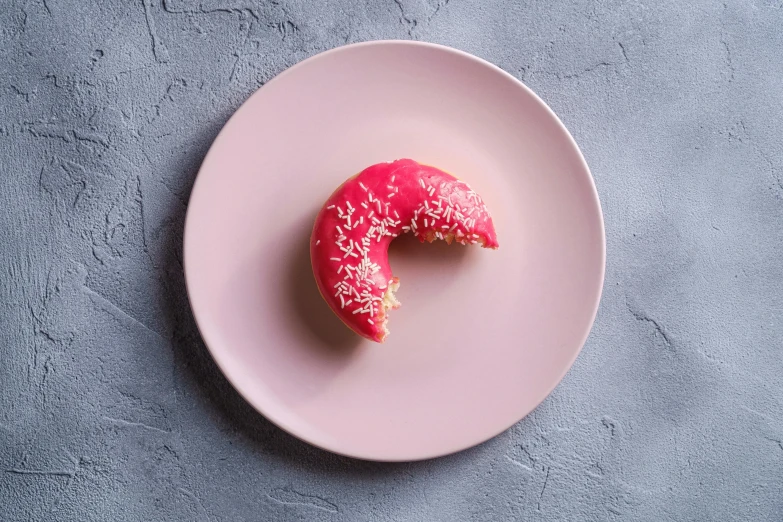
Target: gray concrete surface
(112, 410)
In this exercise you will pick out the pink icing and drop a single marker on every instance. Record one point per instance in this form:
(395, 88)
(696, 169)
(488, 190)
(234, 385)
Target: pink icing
(350, 241)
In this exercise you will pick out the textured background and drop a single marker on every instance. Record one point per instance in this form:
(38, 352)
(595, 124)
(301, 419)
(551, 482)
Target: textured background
(112, 410)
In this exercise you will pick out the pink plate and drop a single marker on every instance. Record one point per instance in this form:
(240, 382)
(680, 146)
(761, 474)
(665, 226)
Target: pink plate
(482, 336)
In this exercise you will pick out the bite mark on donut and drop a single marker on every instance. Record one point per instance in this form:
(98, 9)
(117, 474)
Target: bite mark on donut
(389, 302)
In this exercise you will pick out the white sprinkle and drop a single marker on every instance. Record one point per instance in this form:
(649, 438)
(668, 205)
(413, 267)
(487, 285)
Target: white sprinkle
(349, 221)
(361, 219)
(342, 301)
(431, 191)
(357, 311)
(340, 269)
(378, 202)
(350, 207)
(426, 223)
(339, 212)
(318, 242)
(371, 214)
(390, 187)
(330, 207)
(349, 301)
(353, 254)
(427, 204)
(364, 204)
(370, 321)
(369, 196)
(393, 178)
(335, 259)
(453, 227)
(406, 229)
(391, 195)
(362, 185)
(340, 230)
(338, 284)
(396, 215)
(421, 182)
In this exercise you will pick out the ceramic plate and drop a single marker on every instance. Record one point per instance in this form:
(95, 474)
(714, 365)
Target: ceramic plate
(482, 336)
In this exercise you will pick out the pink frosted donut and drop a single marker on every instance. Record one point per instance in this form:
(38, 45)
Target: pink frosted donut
(350, 241)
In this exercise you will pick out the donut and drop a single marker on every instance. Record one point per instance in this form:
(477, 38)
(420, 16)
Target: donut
(352, 232)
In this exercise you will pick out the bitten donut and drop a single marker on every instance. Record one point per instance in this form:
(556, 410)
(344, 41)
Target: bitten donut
(350, 241)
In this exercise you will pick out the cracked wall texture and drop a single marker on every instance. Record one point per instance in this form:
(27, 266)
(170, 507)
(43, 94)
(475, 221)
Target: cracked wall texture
(110, 407)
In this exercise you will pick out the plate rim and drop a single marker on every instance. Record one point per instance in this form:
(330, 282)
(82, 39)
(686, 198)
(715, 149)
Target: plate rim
(420, 44)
